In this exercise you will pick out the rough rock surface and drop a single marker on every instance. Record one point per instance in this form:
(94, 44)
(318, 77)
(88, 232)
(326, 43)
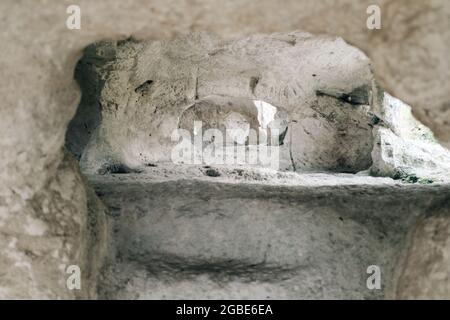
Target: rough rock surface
(39, 95)
(143, 88)
(424, 271)
(168, 244)
(257, 233)
(336, 118)
(404, 148)
(48, 234)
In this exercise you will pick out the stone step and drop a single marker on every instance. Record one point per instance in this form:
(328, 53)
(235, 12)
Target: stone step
(302, 237)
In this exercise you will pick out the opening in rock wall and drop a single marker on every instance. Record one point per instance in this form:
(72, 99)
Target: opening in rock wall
(227, 228)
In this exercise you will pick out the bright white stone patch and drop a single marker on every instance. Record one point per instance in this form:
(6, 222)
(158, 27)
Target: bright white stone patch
(35, 227)
(266, 112)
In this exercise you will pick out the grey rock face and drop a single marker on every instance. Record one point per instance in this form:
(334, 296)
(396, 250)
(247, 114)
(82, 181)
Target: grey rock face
(405, 148)
(179, 231)
(424, 270)
(255, 234)
(409, 54)
(45, 237)
(328, 108)
(143, 89)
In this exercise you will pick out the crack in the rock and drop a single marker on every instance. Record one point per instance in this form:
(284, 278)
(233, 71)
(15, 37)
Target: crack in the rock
(358, 96)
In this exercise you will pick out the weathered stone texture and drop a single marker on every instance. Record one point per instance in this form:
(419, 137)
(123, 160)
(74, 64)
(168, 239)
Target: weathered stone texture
(40, 96)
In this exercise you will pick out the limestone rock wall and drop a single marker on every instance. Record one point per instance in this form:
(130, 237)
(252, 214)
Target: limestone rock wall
(424, 271)
(40, 96)
(61, 224)
(311, 79)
